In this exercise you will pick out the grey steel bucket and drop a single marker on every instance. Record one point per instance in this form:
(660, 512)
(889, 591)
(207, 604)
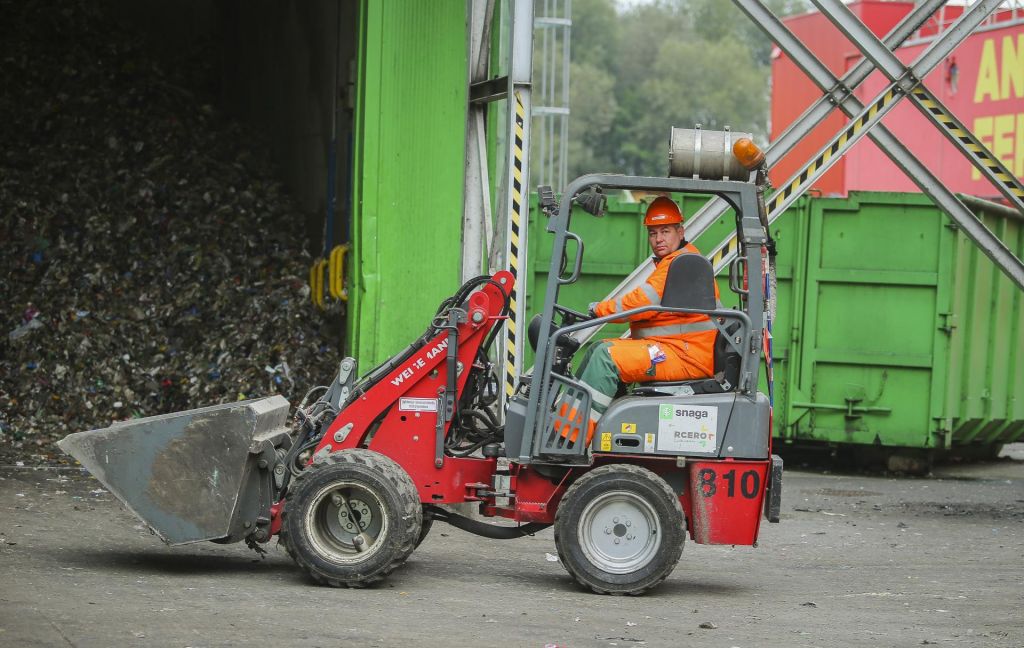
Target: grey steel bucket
(188, 475)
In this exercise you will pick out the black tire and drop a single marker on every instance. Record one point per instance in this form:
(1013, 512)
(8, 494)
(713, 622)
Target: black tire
(428, 522)
(351, 518)
(640, 542)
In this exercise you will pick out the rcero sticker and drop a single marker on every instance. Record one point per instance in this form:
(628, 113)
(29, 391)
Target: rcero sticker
(687, 428)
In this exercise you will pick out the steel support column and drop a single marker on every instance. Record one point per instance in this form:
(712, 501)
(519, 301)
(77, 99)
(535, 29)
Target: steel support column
(512, 203)
(516, 194)
(476, 214)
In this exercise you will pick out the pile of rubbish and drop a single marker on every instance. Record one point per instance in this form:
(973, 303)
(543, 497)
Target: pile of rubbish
(150, 261)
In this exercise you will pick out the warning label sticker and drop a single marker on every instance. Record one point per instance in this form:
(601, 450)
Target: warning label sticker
(649, 442)
(417, 404)
(606, 442)
(687, 428)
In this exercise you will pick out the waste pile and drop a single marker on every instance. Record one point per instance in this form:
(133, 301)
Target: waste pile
(149, 261)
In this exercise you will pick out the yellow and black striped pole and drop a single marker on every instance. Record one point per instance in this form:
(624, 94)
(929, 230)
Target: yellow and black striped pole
(795, 186)
(514, 248)
(990, 166)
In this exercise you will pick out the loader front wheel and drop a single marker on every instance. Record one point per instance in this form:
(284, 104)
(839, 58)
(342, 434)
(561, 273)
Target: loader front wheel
(351, 518)
(619, 529)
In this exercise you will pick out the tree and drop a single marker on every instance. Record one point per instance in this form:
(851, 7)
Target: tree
(639, 70)
(590, 125)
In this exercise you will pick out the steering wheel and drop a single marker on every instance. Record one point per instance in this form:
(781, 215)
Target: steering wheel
(570, 316)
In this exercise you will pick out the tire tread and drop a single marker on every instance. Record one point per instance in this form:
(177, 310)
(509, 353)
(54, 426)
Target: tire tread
(637, 472)
(389, 470)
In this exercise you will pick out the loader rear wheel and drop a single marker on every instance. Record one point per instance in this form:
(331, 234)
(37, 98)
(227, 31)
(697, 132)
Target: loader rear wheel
(351, 518)
(619, 529)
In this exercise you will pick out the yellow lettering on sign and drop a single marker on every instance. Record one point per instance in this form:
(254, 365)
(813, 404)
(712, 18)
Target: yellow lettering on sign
(988, 73)
(1018, 167)
(1004, 136)
(1002, 76)
(1012, 67)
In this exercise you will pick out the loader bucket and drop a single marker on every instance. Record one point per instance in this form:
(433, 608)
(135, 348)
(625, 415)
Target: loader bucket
(188, 475)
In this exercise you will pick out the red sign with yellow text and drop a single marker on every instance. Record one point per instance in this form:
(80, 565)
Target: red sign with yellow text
(981, 83)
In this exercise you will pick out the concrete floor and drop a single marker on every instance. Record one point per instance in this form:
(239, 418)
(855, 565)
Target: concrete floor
(856, 561)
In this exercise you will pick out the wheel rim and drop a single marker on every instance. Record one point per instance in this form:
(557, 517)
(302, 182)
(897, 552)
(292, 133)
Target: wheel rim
(619, 532)
(345, 522)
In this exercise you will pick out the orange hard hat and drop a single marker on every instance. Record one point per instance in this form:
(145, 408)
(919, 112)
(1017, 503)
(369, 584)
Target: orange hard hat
(663, 211)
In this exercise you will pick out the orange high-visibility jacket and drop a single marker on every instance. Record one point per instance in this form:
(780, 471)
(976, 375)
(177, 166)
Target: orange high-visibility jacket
(687, 340)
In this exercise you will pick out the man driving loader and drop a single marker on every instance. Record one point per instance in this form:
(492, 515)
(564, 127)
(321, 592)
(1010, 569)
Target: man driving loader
(662, 346)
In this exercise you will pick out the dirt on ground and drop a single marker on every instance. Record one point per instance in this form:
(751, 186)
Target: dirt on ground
(857, 560)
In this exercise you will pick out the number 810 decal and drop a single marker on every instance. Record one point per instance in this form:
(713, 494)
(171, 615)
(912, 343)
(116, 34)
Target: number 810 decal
(749, 483)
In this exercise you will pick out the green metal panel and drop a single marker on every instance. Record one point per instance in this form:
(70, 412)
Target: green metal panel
(909, 335)
(985, 405)
(870, 304)
(410, 122)
(1012, 428)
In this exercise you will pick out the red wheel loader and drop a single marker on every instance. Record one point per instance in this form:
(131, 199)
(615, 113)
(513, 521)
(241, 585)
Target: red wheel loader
(353, 481)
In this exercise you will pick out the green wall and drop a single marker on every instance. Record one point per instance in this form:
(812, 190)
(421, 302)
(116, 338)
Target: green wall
(411, 98)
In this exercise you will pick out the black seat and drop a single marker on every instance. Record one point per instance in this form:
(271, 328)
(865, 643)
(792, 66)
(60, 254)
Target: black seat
(690, 284)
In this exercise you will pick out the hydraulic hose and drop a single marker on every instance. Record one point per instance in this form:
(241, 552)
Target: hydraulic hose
(486, 530)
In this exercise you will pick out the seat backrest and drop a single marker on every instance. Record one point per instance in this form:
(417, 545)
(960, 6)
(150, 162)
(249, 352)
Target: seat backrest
(690, 283)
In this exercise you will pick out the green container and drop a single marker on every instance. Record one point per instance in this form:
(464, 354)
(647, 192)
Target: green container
(900, 332)
(892, 330)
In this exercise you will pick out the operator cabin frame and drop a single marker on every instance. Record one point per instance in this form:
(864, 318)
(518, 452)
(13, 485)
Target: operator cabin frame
(743, 196)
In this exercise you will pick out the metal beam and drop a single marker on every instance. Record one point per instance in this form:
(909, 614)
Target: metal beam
(971, 147)
(488, 90)
(800, 128)
(930, 185)
(476, 213)
(515, 193)
(980, 155)
(884, 102)
(835, 93)
(863, 119)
